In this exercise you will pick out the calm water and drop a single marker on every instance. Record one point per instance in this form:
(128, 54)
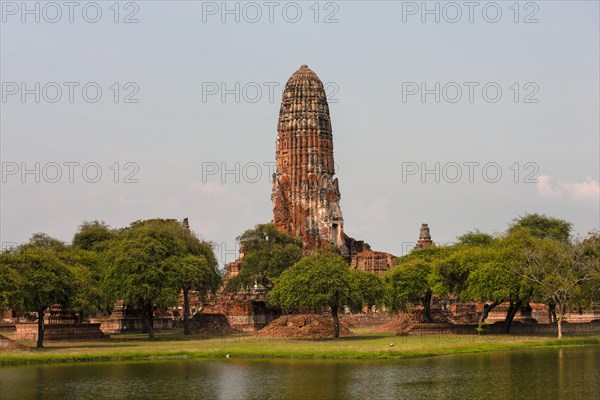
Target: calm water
(570, 373)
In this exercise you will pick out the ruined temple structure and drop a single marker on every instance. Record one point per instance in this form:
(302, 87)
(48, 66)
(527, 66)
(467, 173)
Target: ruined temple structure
(377, 262)
(424, 237)
(306, 198)
(233, 268)
(306, 195)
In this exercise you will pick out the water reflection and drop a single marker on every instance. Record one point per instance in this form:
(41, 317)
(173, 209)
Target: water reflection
(570, 373)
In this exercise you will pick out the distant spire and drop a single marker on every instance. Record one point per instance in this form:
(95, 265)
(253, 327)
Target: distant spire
(186, 223)
(424, 237)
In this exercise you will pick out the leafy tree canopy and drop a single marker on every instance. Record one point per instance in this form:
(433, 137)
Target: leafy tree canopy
(93, 235)
(141, 262)
(407, 283)
(268, 252)
(316, 280)
(265, 235)
(476, 238)
(542, 226)
(368, 288)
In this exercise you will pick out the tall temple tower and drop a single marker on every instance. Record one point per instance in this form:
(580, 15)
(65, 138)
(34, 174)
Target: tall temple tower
(305, 193)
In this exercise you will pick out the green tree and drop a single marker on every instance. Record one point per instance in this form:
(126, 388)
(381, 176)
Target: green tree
(556, 269)
(318, 280)
(589, 251)
(369, 290)
(491, 278)
(267, 253)
(43, 241)
(408, 283)
(196, 270)
(151, 262)
(413, 279)
(450, 269)
(87, 251)
(476, 238)
(10, 282)
(42, 278)
(93, 235)
(88, 296)
(140, 268)
(193, 272)
(542, 227)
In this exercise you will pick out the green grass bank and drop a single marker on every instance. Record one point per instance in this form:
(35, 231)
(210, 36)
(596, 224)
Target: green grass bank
(363, 347)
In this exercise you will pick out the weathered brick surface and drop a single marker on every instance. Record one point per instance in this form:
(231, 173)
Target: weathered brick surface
(244, 311)
(376, 262)
(305, 194)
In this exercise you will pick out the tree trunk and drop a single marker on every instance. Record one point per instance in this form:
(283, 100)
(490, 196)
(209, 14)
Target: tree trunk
(486, 310)
(551, 312)
(144, 320)
(186, 312)
(41, 328)
(427, 307)
(336, 321)
(510, 315)
(559, 325)
(559, 319)
(150, 313)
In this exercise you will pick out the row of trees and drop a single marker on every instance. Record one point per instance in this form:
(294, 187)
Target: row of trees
(147, 265)
(536, 259)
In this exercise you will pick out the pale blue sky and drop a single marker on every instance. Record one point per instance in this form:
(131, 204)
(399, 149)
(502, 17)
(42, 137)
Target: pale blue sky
(367, 56)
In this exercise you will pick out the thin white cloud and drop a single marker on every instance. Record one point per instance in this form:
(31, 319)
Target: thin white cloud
(587, 191)
(545, 188)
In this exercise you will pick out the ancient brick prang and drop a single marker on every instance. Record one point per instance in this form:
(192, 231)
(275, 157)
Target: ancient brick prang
(305, 193)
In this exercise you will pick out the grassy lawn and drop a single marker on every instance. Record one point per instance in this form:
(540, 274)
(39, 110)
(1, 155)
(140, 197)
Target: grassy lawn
(362, 346)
